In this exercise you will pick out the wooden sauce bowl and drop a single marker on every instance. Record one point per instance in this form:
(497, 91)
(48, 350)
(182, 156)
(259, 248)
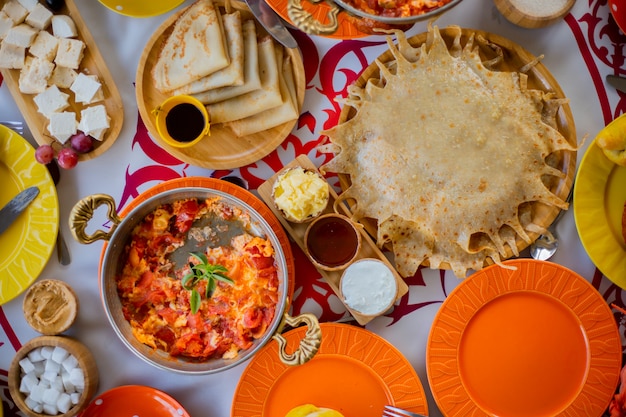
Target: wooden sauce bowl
(520, 14)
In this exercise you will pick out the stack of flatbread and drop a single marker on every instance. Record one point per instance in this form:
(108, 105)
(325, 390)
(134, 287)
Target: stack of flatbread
(245, 81)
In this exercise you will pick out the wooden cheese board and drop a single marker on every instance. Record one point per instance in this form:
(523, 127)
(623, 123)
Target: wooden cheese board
(297, 230)
(92, 64)
(221, 149)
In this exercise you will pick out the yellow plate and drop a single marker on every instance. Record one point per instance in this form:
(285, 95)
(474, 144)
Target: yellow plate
(141, 8)
(27, 244)
(599, 196)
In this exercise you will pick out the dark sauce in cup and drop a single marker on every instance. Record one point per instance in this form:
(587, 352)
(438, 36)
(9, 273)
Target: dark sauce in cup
(332, 241)
(184, 122)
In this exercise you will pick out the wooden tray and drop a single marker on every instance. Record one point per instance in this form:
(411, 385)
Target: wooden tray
(222, 149)
(296, 230)
(539, 78)
(92, 64)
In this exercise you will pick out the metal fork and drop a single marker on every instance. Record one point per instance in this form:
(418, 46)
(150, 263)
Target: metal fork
(14, 125)
(391, 411)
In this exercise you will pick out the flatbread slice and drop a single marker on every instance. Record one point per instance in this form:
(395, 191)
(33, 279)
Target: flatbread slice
(251, 81)
(268, 119)
(232, 74)
(267, 97)
(195, 48)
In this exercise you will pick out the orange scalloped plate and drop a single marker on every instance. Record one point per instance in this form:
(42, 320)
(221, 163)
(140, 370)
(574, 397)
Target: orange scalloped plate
(538, 340)
(355, 372)
(234, 190)
(134, 400)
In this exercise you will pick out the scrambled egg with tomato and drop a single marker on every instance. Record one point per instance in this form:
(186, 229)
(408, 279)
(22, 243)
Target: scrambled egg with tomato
(158, 307)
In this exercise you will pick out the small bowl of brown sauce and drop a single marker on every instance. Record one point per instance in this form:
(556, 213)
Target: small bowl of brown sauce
(332, 241)
(182, 121)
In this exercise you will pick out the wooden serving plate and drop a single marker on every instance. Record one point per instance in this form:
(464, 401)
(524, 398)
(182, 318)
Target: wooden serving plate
(539, 78)
(297, 230)
(222, 149)
(91, 64)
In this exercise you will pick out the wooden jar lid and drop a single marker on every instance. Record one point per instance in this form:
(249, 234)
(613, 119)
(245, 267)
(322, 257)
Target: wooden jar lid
(534, 13)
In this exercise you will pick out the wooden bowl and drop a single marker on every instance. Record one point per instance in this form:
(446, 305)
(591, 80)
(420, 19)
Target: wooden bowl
(85, 361)
(362, 287)
(521, 13)
(332, 242)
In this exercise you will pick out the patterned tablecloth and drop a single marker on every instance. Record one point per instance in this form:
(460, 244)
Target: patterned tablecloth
(579, 51)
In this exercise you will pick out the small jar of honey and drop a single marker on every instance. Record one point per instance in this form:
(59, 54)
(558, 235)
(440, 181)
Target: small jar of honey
(182, 121)
(332, 241)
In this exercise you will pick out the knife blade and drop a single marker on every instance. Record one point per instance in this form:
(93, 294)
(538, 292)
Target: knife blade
(16, 206)
(268, 18)
(617, 82)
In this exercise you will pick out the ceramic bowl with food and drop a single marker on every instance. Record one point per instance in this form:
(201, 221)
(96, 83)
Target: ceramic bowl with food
(368, 286)
(332, 241)
(53, 375)
(383, 11)
(153, 290)
(300, 195)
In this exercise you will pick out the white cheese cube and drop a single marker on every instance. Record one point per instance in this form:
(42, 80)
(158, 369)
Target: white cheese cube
(64, 403)
(36, 406)
(50, 396)
(6, 23)
(70, 363)
(77, 378)
(50, 409)
(59, 354)
(11, 56)
(94, 121)
(69, 53)
(62, 126)
(34, 76)
(15, 11)
(26, 365)
(62, 77)
(35, 355)
(75, 397)
(63, 26)
(28, 4)
(44, 46)
(39, 17)
(85, 87)
(36, 394)
(21, 35)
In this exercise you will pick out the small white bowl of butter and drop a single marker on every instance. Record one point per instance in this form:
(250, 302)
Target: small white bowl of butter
(368, 286)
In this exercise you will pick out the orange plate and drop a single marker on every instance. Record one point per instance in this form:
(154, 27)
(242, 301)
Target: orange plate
(355, 372)
(535, 341)
(134, 400)
(234, 190)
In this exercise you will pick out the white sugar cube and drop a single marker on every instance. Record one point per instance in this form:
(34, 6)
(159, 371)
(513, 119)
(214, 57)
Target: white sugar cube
(57, 384)
(75, 397)
(64, 403)
(28, 382)
(67, 384)
(53, 366)
(36, 394)
(50, 409)
(26, 365)
(77, 378)
(49, 376)
(40, 368)
(46, 351)
(36, 406)
(59, 354)
(50, 396)
(70, 363)
(35, 355)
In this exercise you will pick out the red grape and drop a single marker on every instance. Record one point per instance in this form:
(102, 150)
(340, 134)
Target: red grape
(44, 154)
(81, 143)
(67, 158)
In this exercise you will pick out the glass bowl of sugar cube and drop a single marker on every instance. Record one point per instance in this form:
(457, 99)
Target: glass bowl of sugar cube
(53, 376)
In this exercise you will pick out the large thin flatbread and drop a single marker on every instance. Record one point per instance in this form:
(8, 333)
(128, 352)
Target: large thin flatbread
(232, 74)
(267, 97)
(251, 82)
(195, 48)
(268, 119)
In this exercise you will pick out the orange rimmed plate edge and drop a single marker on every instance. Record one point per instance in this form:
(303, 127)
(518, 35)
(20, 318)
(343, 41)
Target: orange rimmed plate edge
(125, 395)
(339, 341)
(553, 280)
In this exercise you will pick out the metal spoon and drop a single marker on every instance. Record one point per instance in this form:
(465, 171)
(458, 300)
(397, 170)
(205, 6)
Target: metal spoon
(63, 253)
(546, 245)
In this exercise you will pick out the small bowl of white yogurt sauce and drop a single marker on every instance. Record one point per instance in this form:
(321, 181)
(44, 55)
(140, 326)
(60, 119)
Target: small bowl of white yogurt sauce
(368, 286)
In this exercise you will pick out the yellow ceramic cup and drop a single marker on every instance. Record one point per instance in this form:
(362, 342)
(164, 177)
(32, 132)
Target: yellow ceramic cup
(182, 121)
